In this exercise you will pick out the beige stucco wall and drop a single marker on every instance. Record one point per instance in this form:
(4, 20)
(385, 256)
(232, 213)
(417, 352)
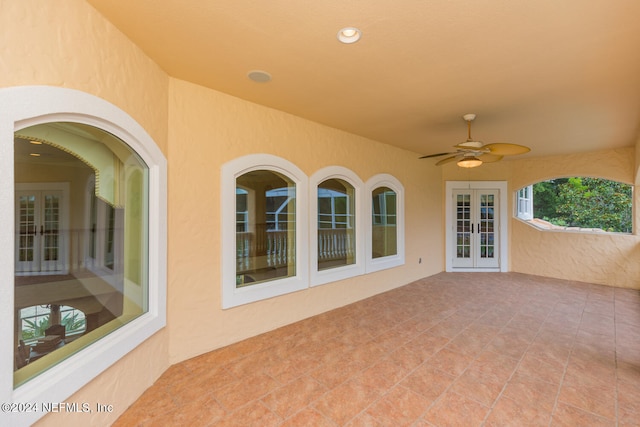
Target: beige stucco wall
(209, 128)
(603, 258)
(68, 44)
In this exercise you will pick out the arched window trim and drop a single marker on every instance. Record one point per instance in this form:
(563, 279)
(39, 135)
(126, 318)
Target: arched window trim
(376, 264)
(231, 295)
(331, 275)
(25, 106)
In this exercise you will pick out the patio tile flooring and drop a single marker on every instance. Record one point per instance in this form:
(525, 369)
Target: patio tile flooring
(454, 349)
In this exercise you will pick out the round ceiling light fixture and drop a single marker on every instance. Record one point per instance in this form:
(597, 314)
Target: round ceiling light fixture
(469, 162)
(349, 35)
(259, 76)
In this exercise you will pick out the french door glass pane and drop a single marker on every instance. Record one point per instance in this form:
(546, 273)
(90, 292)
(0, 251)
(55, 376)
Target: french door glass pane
(487, 206)
(27, 228)
(463, 226)
(50, 227)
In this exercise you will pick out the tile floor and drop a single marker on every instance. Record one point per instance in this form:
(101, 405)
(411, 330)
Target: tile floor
(454, 349)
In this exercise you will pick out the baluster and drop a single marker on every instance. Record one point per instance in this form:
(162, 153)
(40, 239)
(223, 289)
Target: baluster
(270, 248)
(324, 245)
(334, 244)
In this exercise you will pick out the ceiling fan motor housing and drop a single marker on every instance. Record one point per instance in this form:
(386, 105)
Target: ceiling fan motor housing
(471, 144)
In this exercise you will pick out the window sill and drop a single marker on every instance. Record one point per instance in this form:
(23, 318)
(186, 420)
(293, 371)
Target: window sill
(543, 225)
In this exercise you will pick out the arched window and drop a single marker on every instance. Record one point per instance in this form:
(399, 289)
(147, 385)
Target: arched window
(385, 243)
(264, 220)
(89, 215)
(337, 243)
(584, 204)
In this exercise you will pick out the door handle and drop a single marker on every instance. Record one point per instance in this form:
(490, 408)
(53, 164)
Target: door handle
(471, 228)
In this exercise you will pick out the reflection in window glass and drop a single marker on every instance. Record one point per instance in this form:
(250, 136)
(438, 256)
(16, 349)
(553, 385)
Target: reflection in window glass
(384, 223)
(265, 227)
(81, 241)
(336, 224)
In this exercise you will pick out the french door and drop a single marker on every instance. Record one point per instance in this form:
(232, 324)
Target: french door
(476, 231)
(41, 237)
(474, 240)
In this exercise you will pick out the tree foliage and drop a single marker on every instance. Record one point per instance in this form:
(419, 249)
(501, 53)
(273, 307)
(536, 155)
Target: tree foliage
(584, 202)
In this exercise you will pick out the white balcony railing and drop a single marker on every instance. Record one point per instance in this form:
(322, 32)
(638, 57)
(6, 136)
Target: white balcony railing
(273, 249)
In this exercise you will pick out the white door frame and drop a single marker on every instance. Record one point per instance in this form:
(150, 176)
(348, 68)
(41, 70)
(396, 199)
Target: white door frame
(503, 222)
(63, 188)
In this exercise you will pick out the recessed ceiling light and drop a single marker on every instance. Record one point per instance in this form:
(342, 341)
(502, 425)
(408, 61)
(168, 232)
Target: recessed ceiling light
(349, 35)
(259, 76)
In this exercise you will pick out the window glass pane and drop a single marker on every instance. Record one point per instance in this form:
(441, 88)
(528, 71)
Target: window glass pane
(384, 220)
(242, 210)
(336, 224)
(265, 227)
(81, 241)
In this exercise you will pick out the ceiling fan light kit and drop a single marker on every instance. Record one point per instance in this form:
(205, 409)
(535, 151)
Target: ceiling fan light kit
(471, 154)
(469, 162)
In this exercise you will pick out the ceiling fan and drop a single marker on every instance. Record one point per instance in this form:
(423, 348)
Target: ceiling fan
(471, 154)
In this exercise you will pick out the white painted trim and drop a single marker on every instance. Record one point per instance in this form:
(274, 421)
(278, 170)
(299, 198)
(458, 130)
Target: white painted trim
(501, 186)
(376, 264)
(344, 272)
(64, 220)
(233, 296)
(524, 213)
(31, 105)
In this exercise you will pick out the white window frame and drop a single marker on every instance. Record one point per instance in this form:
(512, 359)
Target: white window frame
(25, 106)
(320, 277)
(524, 203)
(233, 296)
(376, 264)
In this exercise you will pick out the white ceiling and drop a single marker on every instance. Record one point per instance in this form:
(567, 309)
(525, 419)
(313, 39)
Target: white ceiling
(558, 76)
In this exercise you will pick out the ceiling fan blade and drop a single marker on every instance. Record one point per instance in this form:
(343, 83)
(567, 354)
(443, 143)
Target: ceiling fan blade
(447, 160)
(506, 149)
(490, 158)
(434, 155)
